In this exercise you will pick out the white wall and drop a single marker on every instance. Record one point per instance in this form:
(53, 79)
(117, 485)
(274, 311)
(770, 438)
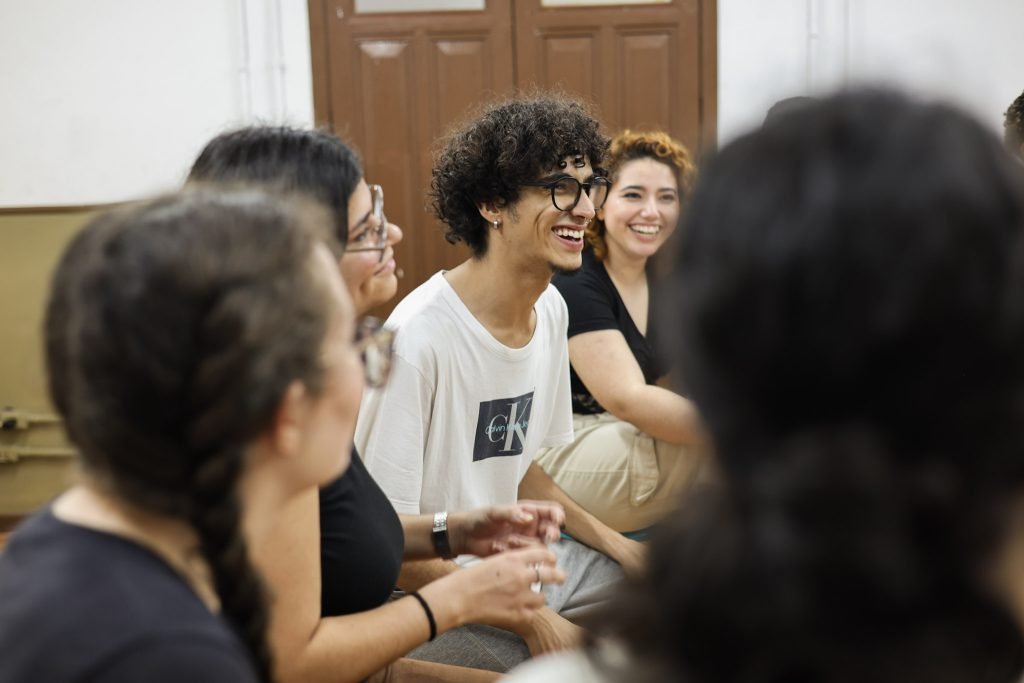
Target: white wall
(968, 52)
(106, 100)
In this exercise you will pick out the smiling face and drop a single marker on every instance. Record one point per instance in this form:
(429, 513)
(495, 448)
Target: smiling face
(642, 209)
(538, 234)
(370, 280)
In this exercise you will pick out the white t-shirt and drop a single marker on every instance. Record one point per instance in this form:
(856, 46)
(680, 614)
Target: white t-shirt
(462, 415)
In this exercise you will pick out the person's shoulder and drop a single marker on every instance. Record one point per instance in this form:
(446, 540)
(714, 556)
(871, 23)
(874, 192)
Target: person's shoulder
(423, 310)
(172, 658)
(590, 274)
(551, 306)
(420, 304)
(92, 595)
(586, 286)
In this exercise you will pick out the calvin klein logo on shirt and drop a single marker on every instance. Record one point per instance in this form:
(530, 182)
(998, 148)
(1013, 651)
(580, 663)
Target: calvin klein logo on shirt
(501, 427)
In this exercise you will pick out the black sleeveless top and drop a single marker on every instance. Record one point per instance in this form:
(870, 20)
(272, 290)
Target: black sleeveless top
(361, 543)
(594, 304)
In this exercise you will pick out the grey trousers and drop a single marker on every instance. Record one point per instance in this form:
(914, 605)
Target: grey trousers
(590, 576)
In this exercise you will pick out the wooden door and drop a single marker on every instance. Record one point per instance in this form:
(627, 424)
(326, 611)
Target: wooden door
(391, 84)
(644, 65)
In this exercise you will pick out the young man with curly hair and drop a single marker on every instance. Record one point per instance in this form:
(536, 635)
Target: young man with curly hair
(1013, 125)
(481, 376)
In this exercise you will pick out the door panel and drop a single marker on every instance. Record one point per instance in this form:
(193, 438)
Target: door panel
(641, 65)
(392, 83)
(396, 82)
(569, 59)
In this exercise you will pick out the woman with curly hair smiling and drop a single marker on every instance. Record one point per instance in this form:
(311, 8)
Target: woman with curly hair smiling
(635, 442)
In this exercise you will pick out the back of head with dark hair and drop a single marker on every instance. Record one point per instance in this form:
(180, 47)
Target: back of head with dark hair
(172, 333)
(786, 106)
(504, 145)
(313, 162)
(850, 300)
(1013, 126)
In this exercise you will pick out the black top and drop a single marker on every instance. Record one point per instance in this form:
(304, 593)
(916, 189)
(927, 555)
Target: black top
(83, 605)
(361, 543)
(594, 304)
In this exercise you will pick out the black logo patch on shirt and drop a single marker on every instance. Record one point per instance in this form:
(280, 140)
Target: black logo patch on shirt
(501, 427)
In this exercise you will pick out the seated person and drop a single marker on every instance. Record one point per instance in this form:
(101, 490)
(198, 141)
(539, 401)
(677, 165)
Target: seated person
(203, 394)
(634, 449)
(847, 314)
(481, 374)
(335, 557)
(1013, 125)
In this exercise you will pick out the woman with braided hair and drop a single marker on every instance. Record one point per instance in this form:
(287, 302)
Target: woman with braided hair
(199, 348)
(636, 445)
(335, 555)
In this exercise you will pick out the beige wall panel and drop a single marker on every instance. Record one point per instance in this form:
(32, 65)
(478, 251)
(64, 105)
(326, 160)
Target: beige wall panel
(33, 243)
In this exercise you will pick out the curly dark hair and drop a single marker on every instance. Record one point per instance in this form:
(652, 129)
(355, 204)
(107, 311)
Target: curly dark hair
(313, 162)
(506, 144)
(848, 307)
(172, 332)
(1013, 126)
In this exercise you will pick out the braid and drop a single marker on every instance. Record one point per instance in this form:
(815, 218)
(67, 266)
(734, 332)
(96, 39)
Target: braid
(173, 332)
(217, 519)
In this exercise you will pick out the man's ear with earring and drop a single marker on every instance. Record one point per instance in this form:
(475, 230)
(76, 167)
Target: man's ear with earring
(490, 213)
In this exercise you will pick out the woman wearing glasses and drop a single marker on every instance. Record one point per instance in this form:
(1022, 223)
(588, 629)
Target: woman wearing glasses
(340, 549)
(633, 449)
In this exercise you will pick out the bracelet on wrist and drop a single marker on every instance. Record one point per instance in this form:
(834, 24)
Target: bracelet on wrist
(439, 536)
(428, 612)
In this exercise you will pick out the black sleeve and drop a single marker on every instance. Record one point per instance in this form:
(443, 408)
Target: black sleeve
(178, 660)
(590, 304)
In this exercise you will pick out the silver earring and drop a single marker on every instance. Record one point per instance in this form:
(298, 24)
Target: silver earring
(496, 223)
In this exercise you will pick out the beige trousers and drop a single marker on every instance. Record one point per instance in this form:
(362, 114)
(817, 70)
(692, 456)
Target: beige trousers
(624, 477)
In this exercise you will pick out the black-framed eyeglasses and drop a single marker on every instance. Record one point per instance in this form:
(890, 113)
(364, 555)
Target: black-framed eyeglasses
(376, 235)
(566, 191)
(375, 345)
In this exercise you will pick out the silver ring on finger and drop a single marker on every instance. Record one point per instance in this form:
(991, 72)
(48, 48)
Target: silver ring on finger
(537, 585)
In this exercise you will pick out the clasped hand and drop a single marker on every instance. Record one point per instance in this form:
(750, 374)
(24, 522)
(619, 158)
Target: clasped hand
(491, 530)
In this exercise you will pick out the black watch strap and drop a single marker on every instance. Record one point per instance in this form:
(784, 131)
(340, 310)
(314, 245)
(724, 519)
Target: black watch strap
(439, 535)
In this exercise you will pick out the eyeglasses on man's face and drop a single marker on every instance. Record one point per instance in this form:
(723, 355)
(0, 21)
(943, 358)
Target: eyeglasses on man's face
(375, 345)
(375, 235)
(566, 191)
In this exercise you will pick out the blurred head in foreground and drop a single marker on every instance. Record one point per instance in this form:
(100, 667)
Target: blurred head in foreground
(849, 312)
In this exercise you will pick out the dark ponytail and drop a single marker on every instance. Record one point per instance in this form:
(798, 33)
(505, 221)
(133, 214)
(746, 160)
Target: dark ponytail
(173, 331)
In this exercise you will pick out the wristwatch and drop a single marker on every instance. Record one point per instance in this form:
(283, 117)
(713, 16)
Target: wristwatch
(439, 535)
